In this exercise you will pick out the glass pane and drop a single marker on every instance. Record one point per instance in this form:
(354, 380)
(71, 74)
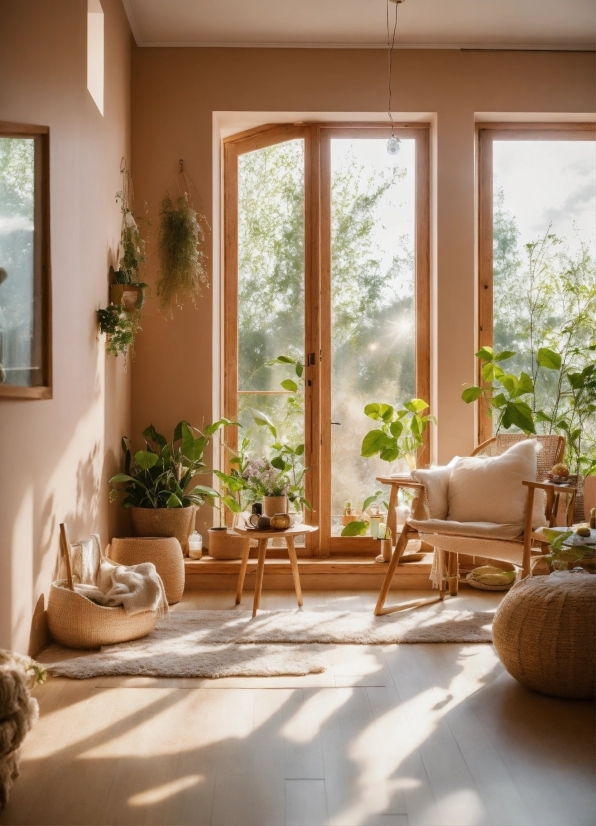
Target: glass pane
(270, 262)
(372, 293)
(17, 266)
(271, 293)
(544, 266)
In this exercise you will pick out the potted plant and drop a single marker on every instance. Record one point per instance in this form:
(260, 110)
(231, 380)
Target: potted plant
(224, 543)
(127, 288)
(182, 270)
(120, 328)
(158, 482)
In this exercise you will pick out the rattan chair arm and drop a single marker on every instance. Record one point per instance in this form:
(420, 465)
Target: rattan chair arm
(549, 486)
(399, 483)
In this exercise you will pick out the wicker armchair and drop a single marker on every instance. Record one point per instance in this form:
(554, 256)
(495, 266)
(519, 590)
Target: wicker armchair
(451, 539)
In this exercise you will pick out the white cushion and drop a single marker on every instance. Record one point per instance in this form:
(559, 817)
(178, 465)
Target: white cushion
(490, 489)
(436, 479)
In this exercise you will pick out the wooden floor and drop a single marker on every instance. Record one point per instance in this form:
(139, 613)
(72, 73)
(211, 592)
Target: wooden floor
(391, 735)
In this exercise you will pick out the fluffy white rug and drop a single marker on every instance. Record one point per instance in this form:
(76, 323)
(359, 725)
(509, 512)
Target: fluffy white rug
(231, 643)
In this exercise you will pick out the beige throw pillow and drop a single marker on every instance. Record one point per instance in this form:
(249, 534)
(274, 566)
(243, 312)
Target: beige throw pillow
(436, 479)
(491, 490)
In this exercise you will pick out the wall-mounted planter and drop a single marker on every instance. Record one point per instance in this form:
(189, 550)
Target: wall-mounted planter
(129, 296)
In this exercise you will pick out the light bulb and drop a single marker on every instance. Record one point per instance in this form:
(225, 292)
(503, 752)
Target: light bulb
(393, 145)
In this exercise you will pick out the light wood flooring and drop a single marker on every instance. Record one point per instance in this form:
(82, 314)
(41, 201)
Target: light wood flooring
(395, 735)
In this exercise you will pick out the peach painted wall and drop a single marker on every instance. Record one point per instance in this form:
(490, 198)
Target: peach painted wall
(56, 456)
(175, 93)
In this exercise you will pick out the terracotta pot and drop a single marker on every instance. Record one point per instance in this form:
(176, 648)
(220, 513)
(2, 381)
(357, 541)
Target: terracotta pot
(165, 553)
(275, 504)
(226, 544)
(129, 296)
(178, 522)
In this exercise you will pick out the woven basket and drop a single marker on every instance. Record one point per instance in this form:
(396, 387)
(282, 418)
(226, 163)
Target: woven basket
(164, 552)
(227, 545)
(76, 622)
(545, 634)
(178, 522)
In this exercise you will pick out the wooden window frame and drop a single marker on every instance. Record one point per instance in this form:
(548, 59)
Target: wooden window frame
(42, 270)
(486, 134)
(317, 274)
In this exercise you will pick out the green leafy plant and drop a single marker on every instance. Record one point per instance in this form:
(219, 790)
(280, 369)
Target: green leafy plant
(161, 475)
(120, 327)
(182, 270)
(401, 431)
(560, 556)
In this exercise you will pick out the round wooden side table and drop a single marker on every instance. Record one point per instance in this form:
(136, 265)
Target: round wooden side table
(263, 537)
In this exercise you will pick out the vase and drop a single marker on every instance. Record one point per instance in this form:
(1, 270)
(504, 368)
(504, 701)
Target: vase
(178, 522)
(165, 553)
(275, 504)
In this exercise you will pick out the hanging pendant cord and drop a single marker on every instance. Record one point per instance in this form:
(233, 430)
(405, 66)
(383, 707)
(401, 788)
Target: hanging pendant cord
(390, 47)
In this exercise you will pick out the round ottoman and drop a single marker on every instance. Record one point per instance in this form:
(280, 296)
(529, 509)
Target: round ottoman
(165, 553)
(545, 634)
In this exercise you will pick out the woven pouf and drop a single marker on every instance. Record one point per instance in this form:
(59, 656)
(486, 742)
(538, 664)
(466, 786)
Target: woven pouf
(165, 553)
(545, 634)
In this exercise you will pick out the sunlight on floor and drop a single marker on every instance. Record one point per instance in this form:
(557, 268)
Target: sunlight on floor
(159, 793)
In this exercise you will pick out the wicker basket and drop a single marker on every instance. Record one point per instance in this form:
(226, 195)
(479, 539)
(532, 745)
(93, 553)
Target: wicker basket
(178, 522)
(227, 545)
(545, 634)
(76, 622)
(163, 551)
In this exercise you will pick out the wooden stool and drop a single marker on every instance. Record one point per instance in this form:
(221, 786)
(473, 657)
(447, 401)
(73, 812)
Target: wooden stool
(264, 536)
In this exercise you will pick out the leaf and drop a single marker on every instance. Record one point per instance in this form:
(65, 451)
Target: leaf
(485, 353)
(290, 385)
(145, 460)
(491, 372)
(231, 503)
(121, 477)
(369, 500)
(509, 382)
(213, 428)
(386, 411)
(519, 413)
(373, 442)
(373, 411)
(498, 401)
(396, 429)
(278, 463)
(173, 501)
(233, 483)
(299, 450)
(389, 454)
(416, 405)
(263, 421)
(504, 354)
(470, 394)
(283, 360)
(548, 359)
(299, 369)
(203, 490)
(150, 434)
(525, 385)
(355, 529)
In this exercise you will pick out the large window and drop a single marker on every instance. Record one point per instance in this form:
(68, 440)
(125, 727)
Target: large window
(25, 357)
(326, 264)
(537, 271)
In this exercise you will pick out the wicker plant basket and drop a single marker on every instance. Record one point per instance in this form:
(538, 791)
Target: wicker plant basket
(178, 522)
(545, 634)
(76, 622)
(165, 553)
(227, 544)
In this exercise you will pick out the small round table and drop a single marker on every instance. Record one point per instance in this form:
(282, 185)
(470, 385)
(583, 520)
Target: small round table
(264, 536)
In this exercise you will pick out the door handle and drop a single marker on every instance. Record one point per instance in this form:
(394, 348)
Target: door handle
(335, 422)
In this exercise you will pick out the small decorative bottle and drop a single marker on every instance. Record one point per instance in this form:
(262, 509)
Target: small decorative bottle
(195, 545)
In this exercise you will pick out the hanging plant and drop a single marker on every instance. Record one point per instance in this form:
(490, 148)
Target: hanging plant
(120, 327)
(127, 288)
(182, 272)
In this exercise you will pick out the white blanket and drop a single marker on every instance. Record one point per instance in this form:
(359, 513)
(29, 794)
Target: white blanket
(136, 587)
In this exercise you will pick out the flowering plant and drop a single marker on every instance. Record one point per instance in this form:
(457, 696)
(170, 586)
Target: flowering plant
(264, 479)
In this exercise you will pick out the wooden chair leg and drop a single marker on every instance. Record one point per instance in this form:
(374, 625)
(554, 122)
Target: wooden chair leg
(260, 573)
(294, 566)
(395, 557)
(453, 573)
(242, 573)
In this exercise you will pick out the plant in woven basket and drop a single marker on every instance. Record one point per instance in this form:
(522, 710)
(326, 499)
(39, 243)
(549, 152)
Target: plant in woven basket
(162, 475)
(182, 270)
(120, 327)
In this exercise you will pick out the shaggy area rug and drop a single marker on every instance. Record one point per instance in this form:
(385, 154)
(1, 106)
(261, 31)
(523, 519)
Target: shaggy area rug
(232, 644)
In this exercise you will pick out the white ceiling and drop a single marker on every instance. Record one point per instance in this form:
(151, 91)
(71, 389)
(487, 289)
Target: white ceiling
(362, 23)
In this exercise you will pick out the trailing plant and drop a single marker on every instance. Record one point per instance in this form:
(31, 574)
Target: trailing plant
(120, 327)
(161, 475)
(133, 253)
(401, 430)
(182, 270)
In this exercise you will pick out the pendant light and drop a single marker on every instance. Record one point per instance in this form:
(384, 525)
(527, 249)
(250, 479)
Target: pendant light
(393, 144)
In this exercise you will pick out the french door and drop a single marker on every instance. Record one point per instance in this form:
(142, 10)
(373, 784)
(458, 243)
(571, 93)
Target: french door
(326, 300)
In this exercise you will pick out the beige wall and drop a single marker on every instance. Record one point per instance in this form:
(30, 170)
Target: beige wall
(175, 93)
(56, 456)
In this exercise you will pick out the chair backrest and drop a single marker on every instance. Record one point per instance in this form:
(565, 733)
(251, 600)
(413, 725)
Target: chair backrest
(553, 449)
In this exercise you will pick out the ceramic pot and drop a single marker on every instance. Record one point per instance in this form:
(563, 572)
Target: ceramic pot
(165, 553)
(275, 504)
(178, 522)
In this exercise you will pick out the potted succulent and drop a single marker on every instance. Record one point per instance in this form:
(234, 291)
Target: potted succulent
(157, 484)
